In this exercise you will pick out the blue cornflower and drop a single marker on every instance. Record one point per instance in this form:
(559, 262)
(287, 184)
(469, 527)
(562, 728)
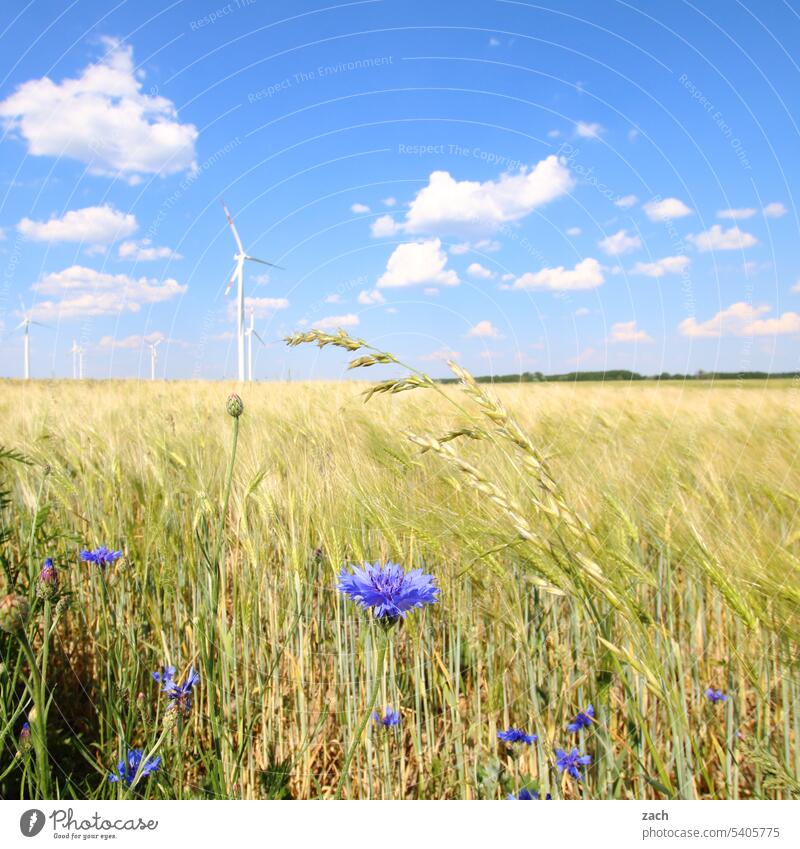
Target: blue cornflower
(516, 735)
(390, 717)
(570, 762)
(126, 770)
(715, 696)
(389, 591)
(526, 795)
(583, 720)
(102, 556)
(48, 574)
(179, 695)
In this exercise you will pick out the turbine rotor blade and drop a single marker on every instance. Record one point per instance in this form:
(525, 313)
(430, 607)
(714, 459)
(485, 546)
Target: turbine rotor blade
(264, 262)
(233, 227)
(256, 334)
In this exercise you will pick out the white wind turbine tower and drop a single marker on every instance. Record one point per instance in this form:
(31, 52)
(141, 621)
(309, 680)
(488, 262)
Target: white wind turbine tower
(74, 350)
(238, 275)
(250, 333)
(153, 346)
(25, 326)
(80, 351)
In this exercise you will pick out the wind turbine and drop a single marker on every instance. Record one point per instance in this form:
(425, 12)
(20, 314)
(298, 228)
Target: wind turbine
(25, 326)
(238, 275)
(80, 351)
(250, 333)
(153, 356)
(74, 350)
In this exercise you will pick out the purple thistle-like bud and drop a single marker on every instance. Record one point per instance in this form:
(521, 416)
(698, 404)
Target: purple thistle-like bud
(234, 406)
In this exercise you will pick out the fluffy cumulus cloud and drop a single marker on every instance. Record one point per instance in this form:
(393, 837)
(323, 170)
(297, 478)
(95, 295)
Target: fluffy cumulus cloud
(626, 331)
(739, 319)
(661, 267)
(587, 130)
(626, 202)
(441, 355)
(587, 274)
(774, 210)
(736, 214)
(620, 243)
(475, 269)
(484, 330)
(79, 291)
(717, 239)
(102, 118)
(131, 342)
(663, 210)
(334, 322)
(418, 263)
(144, 251)
(359, 208)
(367, 297)
(97, 225)
(260, 307)
(449, 206)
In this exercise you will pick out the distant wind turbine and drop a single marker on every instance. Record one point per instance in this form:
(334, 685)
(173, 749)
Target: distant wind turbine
(25, 326)
(74, 350)
(250, 333)
(238, 275)
(153, 346)
(80, 352)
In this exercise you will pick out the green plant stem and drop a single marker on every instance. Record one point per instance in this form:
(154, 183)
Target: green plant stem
(373, 696)
(39, 697)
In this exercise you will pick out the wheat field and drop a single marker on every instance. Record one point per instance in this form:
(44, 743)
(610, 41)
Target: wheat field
(622, 545)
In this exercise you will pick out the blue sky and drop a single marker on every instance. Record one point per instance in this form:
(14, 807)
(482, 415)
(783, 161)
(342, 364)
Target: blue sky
(521, 187)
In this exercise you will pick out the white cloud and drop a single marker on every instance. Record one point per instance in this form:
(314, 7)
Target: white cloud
(581, 311)
(494, 42)
(333, 299)
(736, 214)
(144, 251)
(259, 279)
(368, 298)
(626, 331)
(717, 239)
(665, 265)
(97, 225)
(731, 321)
(587, 274)
(774, 210)
(626, 202)
(359, 208)
(586, 130)
(477, 270)
(384, 226)
(460, 248)
(131, 341)
(553, 134)
(633, 134)
(334, 322)
(261, 307)
(484, 330)
(574, 231)
(619, 243)
(389, 201)
(415, 263)
(796, 287)
(79, 291)
(789, 322)
(662, 210)
(447, 205)
(431, 292)
(442, 354)
(102, 118)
